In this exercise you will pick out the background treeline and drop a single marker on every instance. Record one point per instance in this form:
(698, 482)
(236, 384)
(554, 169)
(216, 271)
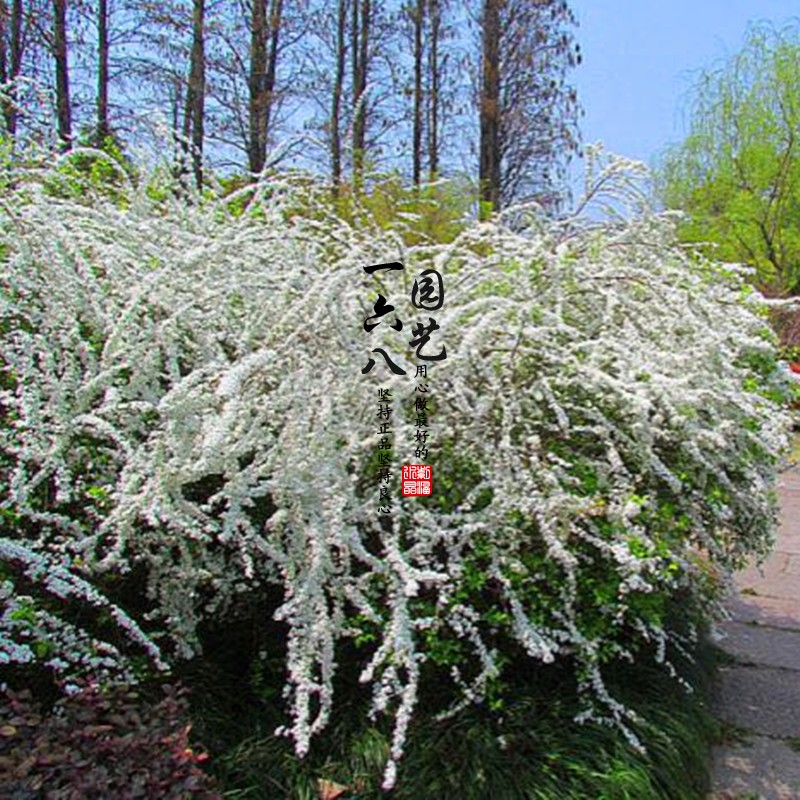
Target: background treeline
(346, 88)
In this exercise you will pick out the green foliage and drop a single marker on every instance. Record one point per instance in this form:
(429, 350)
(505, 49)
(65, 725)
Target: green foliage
(519, 744)
(737, 174)
(789, 353)
(434, 212)
(93, 167)
(6, 161)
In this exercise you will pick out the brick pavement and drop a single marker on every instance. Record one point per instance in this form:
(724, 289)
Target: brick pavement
(758, 693)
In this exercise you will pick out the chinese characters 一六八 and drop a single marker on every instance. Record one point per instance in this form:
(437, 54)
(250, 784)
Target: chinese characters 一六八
(427, 294)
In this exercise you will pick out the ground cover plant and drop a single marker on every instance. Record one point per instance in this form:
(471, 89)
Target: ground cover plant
(98, 744)
(188, 435)
(526, 746)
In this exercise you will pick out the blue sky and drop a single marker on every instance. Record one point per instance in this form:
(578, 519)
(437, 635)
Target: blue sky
(640, 57)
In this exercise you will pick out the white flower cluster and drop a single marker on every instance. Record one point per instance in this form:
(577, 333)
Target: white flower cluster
(182, 391)
(29, 632)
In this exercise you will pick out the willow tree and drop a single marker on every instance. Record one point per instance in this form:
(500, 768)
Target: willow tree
(737, 173)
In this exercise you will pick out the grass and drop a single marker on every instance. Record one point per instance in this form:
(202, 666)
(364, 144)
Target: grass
(794, 455)
(532, 750)
(730, 734)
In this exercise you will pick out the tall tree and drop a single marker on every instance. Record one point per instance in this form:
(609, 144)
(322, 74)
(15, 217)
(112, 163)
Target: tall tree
(418, 17)
(427, 76)
(103, 127)
(358, 88)
(340, 56)
(528, 112)
(4, 20)
(360, 54)
(61, 56)
(435, 76)
(265, 34)
(155, 70)
(194, 117)
(489, 158)
(11, 50)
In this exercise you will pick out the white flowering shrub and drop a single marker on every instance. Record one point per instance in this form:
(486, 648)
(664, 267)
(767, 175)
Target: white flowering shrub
(183, 396)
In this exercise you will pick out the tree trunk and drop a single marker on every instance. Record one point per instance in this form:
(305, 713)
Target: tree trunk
(63, 108)
(272, 65)
(416, 145)
(257, 147)
(12, 114)
(176, 101)
(336, 106)
(490, 109)
(433, 100)
(3, 39)
(103, 127)
(195, 93)
(360, 59)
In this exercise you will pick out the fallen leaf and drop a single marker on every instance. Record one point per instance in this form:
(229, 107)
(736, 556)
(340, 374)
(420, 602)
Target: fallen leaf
(328, 790)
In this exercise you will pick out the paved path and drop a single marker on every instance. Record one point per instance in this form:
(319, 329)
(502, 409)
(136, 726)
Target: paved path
(758, 694)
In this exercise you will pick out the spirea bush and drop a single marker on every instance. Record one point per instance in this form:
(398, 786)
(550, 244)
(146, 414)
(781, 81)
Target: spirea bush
(183, 398)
